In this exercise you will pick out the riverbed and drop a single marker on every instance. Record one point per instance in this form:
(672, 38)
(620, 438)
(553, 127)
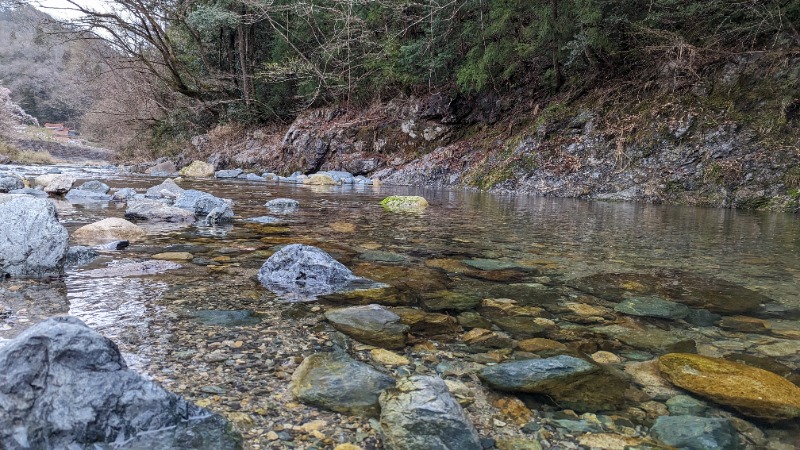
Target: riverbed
(206, 329)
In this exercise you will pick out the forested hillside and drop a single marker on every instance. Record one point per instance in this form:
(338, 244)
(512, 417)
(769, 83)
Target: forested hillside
(50, 74)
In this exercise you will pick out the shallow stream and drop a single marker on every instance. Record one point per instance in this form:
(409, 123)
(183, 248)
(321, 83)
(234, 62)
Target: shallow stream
(173, 324)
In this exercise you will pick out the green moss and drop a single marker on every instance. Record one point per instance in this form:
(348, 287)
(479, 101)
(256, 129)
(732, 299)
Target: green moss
(402, 203)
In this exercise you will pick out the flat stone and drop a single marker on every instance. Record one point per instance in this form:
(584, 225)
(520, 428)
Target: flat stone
(174, 256)
(265, 220)
(421, 413)
(647, 376)
(370, 324)
(541, 345)
(652, 307)
(684, 405)
(571, 382)
(232, 173)
(205, 206)
(493, 264)
(745, 324)
(751, 391)
(282, 205)
(481, 339)
(339, 383)
(651, 339)
(226, 318)
(155, 211)
(696, 432)
(110, 229)
(388, 358)
(449, 300)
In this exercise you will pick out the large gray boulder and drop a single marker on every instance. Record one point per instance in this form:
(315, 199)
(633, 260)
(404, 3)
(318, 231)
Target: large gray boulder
(305, 271)
(205, 206)
(420, 412)
(64, 385)
(33, 243)
(155, 211)
(337, 382)
(95, 186)
(10, 183)
(370, 324)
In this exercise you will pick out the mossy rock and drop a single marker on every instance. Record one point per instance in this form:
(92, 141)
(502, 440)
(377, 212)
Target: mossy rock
(751, 391)
(404, 203)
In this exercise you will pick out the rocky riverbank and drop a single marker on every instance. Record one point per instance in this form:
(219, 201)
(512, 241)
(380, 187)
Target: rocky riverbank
(728, 141)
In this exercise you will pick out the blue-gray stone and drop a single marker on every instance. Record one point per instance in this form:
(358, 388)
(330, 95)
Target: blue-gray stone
(264, 220)
(652, 307)
(223, 318)
(421, 413)
(306, 271)
(66, 386)
(684, 405)
(80, 255)
(233, 173)
(167, 189)
(86, 196)
(254, 177)
(95, 186)
(339, 383)
(696, 433)
(10, 183)
(282, 205)
(536, 375)
(202, 204)
(124, 194)
(30, 191)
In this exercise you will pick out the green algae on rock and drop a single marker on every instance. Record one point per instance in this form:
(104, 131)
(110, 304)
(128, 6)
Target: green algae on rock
(404, 203)
(751, 391)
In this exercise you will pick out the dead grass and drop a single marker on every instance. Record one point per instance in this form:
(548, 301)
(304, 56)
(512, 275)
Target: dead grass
(25, 156)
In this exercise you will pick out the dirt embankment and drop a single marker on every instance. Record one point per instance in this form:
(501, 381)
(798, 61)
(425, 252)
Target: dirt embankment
(728, 139)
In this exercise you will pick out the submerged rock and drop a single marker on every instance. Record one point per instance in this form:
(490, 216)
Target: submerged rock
(370, 324)
(337, 382)
(696, 291)
(32, 241)
(264, 220)
(198, 169)
(65, 386)
(571, 382)
(306, 271)
(696, 433)
(400, 203)
(111, 229)
(421, 413)
(86, 196)
(652, 307)
(282, 205)
(751, 391)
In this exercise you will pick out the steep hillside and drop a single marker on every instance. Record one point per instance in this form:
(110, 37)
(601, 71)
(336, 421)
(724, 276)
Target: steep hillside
(49, 75)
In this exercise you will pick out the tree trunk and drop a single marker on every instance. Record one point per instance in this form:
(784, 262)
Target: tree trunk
(559, 75)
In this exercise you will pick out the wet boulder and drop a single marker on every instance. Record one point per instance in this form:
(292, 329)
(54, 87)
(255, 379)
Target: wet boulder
(420, 412)
(751, 391)
(339, 383)
(305, 271)
(66, 386)
(162, 169)
(233, 173)
(107, 230)
(10, 183)
(370, 324)
(59, 184)
(32, 241)
(205, 206)
(155, 211)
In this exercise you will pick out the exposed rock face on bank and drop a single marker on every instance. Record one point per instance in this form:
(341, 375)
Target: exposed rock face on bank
(66, 386)
(730, 148)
